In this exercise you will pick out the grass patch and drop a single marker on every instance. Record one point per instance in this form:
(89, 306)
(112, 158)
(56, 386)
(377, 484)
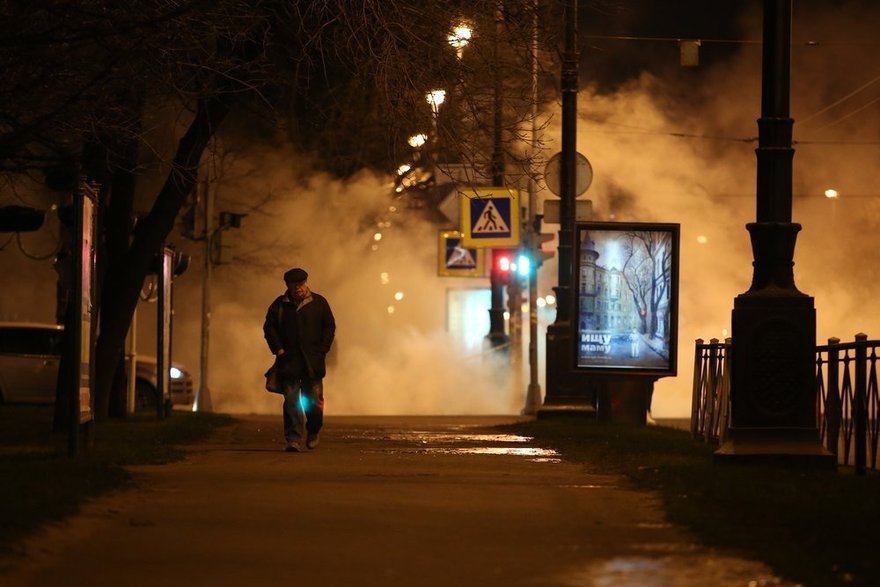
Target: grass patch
(42, 484)
(812, 527)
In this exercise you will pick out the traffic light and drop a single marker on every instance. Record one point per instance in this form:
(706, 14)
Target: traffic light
(523, 264)
(505, 261)
(540, 253)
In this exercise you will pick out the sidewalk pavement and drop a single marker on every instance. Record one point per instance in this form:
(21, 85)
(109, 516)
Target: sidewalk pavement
(409, 501)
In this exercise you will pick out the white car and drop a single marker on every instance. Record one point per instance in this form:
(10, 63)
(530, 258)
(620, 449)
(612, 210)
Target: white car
(30, 353)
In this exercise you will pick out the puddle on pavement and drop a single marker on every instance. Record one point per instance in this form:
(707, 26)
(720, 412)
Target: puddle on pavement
(445, 437)
(590, 486)
(438, 443)
(697, 570)
(519, 451)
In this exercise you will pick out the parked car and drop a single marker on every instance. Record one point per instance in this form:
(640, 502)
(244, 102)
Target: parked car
(30, 353)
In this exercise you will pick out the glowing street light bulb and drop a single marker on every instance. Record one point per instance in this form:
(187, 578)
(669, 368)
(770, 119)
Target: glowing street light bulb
(398, 296)
(702, 239)
(403, 168)
(418, 140)
(541, 302)
(460, 37)
(390, 309)
(384, 278)
(831, 194)
(435, 98)
(551, 299)
(377, 236)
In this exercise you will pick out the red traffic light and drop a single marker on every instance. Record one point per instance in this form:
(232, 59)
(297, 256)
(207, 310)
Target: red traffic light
(504, 260)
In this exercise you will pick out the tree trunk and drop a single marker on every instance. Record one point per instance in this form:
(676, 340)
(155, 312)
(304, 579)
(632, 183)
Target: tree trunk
(123, 280)
(119, 215)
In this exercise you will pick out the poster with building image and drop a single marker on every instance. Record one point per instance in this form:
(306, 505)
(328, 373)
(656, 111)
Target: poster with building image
(626, 297)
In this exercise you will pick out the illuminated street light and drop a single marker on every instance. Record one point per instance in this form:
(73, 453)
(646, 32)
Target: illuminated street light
(403, 168)
(459, 37)
(418, 140)
(398, 296)
(832, 194)
(436, 98)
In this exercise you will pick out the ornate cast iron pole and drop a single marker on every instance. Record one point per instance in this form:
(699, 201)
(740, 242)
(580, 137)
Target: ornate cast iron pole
(773, 390)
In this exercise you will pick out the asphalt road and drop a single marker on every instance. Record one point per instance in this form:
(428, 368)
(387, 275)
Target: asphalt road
(382, 501)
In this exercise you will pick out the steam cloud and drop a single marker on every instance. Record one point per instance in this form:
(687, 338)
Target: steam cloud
(645, 170)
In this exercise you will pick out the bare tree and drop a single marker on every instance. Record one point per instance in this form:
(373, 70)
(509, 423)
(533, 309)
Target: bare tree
(347, 81)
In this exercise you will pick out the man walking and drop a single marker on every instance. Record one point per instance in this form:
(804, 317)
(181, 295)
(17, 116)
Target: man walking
(299, 329)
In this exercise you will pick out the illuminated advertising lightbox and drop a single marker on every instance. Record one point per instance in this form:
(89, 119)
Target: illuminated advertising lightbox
(626, 298)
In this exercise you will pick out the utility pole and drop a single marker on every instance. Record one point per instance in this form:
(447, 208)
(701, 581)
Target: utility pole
(533, 393)
(203, 395)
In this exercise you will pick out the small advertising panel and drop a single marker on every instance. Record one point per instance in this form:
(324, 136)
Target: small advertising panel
(626, 298)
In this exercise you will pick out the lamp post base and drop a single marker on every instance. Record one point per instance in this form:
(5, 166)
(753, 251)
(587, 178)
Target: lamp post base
(568, 392)
(783, 447)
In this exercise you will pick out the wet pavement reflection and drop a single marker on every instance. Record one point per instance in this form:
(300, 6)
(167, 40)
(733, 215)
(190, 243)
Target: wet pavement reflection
(465, 443)
(698, 570)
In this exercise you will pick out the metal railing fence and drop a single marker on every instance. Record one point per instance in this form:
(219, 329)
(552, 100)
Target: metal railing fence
(847, 398)
(710, 404)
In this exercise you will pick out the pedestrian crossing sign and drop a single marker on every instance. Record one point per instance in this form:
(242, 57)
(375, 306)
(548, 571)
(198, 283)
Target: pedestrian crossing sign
(456, 260)
(490, 217)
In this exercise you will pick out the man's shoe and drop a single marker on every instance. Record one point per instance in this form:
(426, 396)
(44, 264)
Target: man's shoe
(292, 447)
(312, 441)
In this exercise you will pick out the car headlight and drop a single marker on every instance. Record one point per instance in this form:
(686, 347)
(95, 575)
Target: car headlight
(175, 373)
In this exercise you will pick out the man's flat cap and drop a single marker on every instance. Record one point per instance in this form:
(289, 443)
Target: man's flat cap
(295, 275)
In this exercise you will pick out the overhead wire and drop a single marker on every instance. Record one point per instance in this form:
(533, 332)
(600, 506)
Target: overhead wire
(842, 118)
(758, 42)
(839, 101)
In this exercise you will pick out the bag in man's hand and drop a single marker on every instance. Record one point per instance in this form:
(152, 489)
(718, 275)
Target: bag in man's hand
(273, 383)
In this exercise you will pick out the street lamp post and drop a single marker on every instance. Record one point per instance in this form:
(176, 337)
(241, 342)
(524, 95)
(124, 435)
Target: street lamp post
(567, 391)
(773, 389)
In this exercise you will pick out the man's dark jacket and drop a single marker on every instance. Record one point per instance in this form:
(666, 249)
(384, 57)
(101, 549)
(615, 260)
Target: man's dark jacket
(311, 327)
